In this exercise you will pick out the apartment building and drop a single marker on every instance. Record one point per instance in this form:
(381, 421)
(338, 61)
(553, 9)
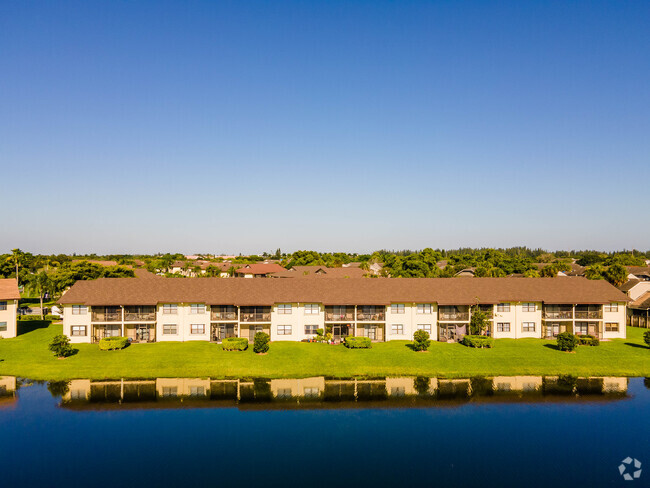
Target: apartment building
(9, 296)
(209, 309)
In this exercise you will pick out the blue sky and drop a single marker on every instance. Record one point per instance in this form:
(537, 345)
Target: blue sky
(246, 126)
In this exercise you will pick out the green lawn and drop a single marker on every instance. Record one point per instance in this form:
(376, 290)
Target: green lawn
(28, 356)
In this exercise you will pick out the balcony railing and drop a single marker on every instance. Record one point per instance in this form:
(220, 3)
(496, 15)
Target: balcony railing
(255, 317)
(139, 316)
(347, 316)
(376, 316)
(459, 316)
(224, 315)
(562, 314)
(106, 316)
(589, 314)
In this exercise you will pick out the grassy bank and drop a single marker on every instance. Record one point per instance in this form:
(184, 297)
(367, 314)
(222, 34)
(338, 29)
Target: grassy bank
(28, 356)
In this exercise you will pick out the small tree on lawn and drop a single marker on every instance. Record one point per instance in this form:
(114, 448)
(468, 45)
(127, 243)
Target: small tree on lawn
(646, 337)
(566, 341)
(60, 346)
(479, 322)
(261, 342)
(421, 340)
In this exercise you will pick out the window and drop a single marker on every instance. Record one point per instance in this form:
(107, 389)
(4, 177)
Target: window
(397, 329)
(581, 328)
(170, 309)
(197, 308)
(503, 326)
(197, 329)
(425, 327)
(169, 391)
(310, 329)
(284, 393)
(397, 308)
(284, 309)
(3, 326)
(311, 391)
(503, 307)
(79, 310)
(528, 327)
(611, 307)
(197, 391)
(528, 307)
(424, 308)
(77, 394)
(170, 329)
(611, 327)
(312, 309)
(284, 330)
(3, 306)
(78, 330)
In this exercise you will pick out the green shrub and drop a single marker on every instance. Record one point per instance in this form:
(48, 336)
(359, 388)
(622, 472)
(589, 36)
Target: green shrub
(588, 340)
(60, 346)
(479, 341)
(33, 318)
(112, 343)
(234, 344)
(261, 342)
(646, 337)
(358, 343)
(52, 318)
(566, 341)
(421, 340)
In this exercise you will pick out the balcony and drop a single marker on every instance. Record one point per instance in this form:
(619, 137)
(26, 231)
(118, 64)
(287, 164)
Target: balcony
(454, 316)
(108, 314)
(589, 314)
(555, 314)
(220, 315)
(255, 314)
(371, 314)
(139, 314)
(336, 314)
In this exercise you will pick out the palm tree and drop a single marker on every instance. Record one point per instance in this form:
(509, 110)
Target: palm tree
(18, 256)
(43, 285)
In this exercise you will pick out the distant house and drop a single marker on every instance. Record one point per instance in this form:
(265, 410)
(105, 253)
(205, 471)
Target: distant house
(320, 272)
(638, 273)
(258, 270)
(9, 296)
(466, 273)
(638, 311)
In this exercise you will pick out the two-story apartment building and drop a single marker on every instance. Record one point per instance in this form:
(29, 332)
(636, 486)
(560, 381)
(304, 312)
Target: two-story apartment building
(9, 296)
(390, 309)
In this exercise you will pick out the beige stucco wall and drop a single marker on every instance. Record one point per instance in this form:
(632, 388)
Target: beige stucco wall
(297, 319)
(516, 317)
(315, 386)
(9, 316)
(183, 319)
(410, 319)
(618, 317)
(69, 320)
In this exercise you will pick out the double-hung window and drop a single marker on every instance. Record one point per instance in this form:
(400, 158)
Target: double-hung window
(170, 309)
(79, 310)
(425, 327)
(170, 329)
(528, 327)
(503, 307)
(312, 309)
(528, 307)
(3, 306)
(397, 329)
(310, 329)
(503, 326)
(611, 307)
(78, 330)
(425, 308)
(611, 327)
(197, 329)
(284, 309)
(197, 308)
(397, 308)
(284, 330)
(3, 326)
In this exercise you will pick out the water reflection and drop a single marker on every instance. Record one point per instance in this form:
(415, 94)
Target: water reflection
(321, 392)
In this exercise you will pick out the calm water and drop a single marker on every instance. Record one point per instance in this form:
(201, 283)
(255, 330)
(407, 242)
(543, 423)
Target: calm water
(515, 431)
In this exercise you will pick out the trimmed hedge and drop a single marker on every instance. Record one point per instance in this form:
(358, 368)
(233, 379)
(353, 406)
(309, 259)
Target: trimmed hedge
(566, 341)
(646, 337)
(479, 341)
(358, 343)
(34, 318)
(588, 340)
(234, 344)
(112, 343)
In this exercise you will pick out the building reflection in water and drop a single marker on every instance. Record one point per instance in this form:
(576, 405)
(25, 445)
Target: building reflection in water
(321, 392)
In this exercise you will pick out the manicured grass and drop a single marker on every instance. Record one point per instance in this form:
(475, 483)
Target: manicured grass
(28, 356)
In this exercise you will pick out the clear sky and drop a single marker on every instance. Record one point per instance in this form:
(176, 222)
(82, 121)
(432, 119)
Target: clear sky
(247, 126)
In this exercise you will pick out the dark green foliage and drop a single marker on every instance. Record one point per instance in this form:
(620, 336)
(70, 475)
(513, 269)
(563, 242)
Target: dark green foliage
(234, 344)
(616, 274)
(60, 346)
(261, 342)
(421, 340)
(588, 340)
(421, 385)
(112, 343)
(34, 318)
(58, 388)
(479, 341)
(479, 321)
(358, 342)
(566, 341)
(646, 337)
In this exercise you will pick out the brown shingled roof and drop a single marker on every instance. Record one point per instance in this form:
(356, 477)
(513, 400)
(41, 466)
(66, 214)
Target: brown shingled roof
(444, 291)
(642, 302)
(260, 268)
(9, 289)
(320, 272)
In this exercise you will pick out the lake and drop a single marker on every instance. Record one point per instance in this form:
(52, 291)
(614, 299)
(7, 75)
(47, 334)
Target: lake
(502, 431)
